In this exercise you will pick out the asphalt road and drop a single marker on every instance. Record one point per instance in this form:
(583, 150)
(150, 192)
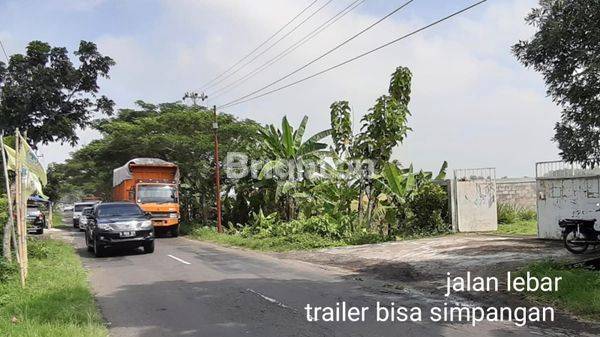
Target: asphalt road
(190, 288)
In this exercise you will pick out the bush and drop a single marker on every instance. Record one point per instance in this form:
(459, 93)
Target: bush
(425, 211)
(38, 248)
(509, 213)
(8, 270)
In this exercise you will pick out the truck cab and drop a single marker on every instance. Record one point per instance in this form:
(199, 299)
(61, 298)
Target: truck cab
(153, 184)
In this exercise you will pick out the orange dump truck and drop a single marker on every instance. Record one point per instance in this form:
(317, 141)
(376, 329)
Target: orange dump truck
(153, 184)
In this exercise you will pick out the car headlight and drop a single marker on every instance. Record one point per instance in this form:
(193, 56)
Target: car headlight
(173, 215)
(104, 226)
(145, 224)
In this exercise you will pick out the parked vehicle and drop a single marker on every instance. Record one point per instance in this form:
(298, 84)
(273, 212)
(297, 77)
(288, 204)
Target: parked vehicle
(579, 234)
(119, 224)
(154, 185)
(78, 208)
(36, 220)
(83, 218)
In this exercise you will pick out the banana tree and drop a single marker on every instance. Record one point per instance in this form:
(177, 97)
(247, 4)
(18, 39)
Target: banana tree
(287, 154)
(399, 185)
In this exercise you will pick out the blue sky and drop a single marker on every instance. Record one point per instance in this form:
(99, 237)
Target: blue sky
(473, 103)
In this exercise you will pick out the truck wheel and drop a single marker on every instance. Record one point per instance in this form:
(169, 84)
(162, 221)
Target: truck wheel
(175, 231)
(98, 249)
(149, 247)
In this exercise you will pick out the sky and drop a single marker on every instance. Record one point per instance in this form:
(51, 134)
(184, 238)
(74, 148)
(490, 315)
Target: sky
(472, 103)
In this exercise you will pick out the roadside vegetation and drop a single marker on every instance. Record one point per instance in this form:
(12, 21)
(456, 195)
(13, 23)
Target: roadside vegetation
(578, 291)
(286, 190)
(516, 220)
(56, 301)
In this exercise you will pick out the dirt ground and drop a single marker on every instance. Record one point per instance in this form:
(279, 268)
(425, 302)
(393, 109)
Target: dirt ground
(422, 265)
(429, 260)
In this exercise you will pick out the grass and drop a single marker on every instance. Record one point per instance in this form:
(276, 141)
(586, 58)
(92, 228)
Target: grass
(56, 300)
(277, 244)
(578, 291)
(520, 227)
(57, 220)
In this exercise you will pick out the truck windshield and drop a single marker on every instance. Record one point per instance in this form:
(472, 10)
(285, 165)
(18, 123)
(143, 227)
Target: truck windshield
(157, 193)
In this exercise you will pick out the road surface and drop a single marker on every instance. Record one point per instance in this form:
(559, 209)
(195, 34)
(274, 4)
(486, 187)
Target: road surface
(190, 288)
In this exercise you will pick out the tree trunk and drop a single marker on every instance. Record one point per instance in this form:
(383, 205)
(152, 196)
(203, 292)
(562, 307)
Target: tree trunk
(360, 206)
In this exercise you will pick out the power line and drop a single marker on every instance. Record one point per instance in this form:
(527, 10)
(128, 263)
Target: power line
(272, 45)
(322, 55)
(236, 102)
(290, 49)
(262, 44)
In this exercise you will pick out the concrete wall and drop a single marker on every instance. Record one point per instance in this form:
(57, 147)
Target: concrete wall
(562, 198)
(475, 205)
(517, 191)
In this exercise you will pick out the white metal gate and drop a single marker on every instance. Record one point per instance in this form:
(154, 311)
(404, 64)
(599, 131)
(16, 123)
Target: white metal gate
(565, 191)
(475, 200)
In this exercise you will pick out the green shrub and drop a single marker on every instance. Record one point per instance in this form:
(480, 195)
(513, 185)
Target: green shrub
(527, 214)
(3, 209)
(38, 248)
(510, 213)
(425, 211)
(8, 270)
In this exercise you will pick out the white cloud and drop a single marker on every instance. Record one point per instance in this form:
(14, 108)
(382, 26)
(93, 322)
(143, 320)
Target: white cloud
(473, 104)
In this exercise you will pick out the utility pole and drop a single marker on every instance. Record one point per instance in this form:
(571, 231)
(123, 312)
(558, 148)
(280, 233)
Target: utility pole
(194, 96)
(217, 171)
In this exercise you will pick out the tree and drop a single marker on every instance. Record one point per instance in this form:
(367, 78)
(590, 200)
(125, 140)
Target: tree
(566, 50)
(383, 128)
(287, 150)
(171, 131)
(341, 126)
(44, 93)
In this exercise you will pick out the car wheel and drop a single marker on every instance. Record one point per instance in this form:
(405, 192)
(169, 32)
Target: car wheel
(98, 249)
(149, 247)
(40, 231)
(90, 248)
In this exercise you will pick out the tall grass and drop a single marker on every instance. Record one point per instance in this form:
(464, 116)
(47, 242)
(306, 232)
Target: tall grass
(509, 213)
(56, 300)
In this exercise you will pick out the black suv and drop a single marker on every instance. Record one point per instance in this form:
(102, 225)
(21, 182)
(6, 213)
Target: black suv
(118, 224)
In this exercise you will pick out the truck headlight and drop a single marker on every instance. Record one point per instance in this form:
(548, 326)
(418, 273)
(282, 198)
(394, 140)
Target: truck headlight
(145, 224)
(173, 215)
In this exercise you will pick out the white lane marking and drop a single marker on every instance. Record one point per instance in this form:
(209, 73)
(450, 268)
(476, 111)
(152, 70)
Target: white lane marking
(178, 259)
(272, 300)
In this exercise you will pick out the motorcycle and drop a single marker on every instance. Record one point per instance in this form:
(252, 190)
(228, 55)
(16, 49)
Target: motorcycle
(579, 234)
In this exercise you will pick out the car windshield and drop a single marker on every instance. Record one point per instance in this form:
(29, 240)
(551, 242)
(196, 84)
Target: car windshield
(32, 210)
(79, 208)
(118, 210)
(157, 193)
(87, 211)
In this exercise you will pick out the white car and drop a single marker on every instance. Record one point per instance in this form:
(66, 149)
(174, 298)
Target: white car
(83, 218)
(78, 208)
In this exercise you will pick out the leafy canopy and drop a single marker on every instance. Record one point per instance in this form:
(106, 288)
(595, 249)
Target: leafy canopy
(566, 50)
(44, 93)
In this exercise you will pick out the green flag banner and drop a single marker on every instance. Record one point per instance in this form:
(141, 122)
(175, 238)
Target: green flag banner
(11, 157)
(31, 162)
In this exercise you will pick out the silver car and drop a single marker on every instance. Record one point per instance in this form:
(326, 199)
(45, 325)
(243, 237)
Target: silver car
(83, 218)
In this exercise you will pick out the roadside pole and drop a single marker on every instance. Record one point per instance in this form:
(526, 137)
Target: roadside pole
(25, 256)
(18, 206)
(217, 171)
(10, 223)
